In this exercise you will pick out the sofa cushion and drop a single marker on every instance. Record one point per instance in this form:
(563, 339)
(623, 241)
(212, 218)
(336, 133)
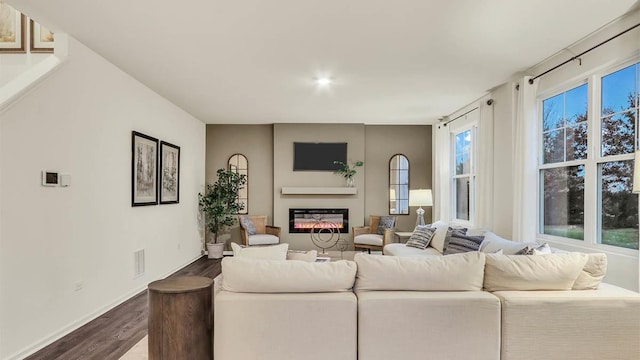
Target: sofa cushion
(421, 237)
(537, 272)
(429, 273)
(399, 249)
(273, 276)
(368, 239)
(308, 256)
(460, 242)
(593, 272)
(275, 252)
(386, 222)
(247, 225)
(493, 243)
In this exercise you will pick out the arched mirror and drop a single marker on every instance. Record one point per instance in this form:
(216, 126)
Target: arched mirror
(238, 163)
(399, 185)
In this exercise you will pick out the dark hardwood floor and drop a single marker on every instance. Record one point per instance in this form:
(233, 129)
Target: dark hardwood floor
(112, 334)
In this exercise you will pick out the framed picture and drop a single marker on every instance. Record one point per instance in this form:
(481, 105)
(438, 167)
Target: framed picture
(41, 39)
(13, 30)
(144, 170)
(169, 173)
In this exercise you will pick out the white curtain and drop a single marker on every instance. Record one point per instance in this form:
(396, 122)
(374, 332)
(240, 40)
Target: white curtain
(525, 174)
(484, 172)
(441, 165)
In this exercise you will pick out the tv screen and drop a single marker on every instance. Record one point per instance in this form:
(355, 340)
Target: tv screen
(318, 156)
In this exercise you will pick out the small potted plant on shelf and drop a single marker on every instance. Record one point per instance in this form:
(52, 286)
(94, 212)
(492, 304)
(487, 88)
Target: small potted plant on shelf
(219, 203)
(348, 172)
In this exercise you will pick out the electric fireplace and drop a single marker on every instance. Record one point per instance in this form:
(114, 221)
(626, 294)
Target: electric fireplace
(304, 220)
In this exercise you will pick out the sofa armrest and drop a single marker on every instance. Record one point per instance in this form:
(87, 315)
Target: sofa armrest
(273, 230)
(360, 230)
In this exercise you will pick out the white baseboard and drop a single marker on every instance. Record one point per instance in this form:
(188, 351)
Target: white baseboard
(57, 335)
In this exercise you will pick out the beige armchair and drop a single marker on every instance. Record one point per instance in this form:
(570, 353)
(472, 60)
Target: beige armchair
(265, 234)
(367, 237)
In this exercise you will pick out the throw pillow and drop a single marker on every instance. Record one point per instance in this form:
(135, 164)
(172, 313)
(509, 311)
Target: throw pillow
(439, 237)
(535, 250)
(247, 225)
(274, 252)
(460, 243)
(522, 273)
(421, 237)
(493, 242)
(308, 256)
(386, 222)
(450, 231)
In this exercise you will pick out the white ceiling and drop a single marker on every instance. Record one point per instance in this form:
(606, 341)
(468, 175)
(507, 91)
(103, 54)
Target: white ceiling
(394, 62)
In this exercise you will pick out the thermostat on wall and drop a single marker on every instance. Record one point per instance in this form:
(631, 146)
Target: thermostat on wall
(49, 178)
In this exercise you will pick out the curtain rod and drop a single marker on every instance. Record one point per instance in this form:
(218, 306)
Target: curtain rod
(489, 102)
(584, 52)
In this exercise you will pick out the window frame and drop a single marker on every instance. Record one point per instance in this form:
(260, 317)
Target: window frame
(407, 185)
(592, 185)
(244, 211)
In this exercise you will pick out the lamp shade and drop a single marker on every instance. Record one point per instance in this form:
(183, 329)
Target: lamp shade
(420, 197)
(636, 172)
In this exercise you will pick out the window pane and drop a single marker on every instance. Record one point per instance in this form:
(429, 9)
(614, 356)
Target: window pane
(619, 205)
(617, 133)
(619, 90)
(553, 111)
(463, 151)
(553, 146)
(563, 201)
(576, 105)
(577, 142)
(462, 198)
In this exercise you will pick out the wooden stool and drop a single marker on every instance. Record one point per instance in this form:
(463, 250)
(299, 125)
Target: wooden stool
(180, 318)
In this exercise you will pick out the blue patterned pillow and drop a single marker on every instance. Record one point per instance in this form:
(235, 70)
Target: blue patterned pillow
(248, 225)
(421, 237)
(386, 222)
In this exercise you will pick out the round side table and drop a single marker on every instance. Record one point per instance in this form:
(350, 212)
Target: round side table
(180, 318)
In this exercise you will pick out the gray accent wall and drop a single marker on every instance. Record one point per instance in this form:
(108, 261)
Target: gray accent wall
(269, 149)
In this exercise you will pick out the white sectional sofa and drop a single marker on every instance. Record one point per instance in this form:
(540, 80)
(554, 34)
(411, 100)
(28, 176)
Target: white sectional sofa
(463, 306)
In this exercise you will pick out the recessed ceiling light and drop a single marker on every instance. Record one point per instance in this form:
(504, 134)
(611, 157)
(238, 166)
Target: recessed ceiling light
(323, 81)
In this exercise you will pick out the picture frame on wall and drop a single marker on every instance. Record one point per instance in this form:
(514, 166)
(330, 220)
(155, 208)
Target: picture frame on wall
(13, 30)
(41, 39)
(169, 173)
(144, 169)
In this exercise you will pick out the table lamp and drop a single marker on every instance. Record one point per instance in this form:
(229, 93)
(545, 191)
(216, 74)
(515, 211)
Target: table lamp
(420, 197)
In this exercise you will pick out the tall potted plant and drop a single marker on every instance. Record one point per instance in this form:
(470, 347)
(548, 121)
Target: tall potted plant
(219, 203)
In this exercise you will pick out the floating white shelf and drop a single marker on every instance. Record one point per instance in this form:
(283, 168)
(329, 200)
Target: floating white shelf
(319, 190)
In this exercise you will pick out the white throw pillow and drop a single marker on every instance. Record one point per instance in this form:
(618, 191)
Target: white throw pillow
(593, 272)
(438, 239)
(308, 256)
(493, 243)
(272, 276)
(274, 252)
(456, 272)
(543, 272)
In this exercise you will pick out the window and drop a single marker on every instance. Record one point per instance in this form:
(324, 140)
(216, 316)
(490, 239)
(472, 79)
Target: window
(463, 184)
(572, 175)
(399, 185)
(239, 164)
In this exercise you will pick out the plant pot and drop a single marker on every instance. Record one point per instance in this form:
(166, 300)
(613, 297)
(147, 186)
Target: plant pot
(350, 182)
(214, 251)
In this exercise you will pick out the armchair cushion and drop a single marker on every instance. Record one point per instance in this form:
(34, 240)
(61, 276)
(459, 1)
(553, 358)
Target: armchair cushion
(248, 225)
(368, 239)
(263, 239)
(386, 222)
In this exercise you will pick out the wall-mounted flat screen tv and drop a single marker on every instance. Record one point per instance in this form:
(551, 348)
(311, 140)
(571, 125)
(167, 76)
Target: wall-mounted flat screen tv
(318, 156)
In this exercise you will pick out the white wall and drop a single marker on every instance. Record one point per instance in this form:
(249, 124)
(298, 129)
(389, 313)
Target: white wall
(79, 121)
